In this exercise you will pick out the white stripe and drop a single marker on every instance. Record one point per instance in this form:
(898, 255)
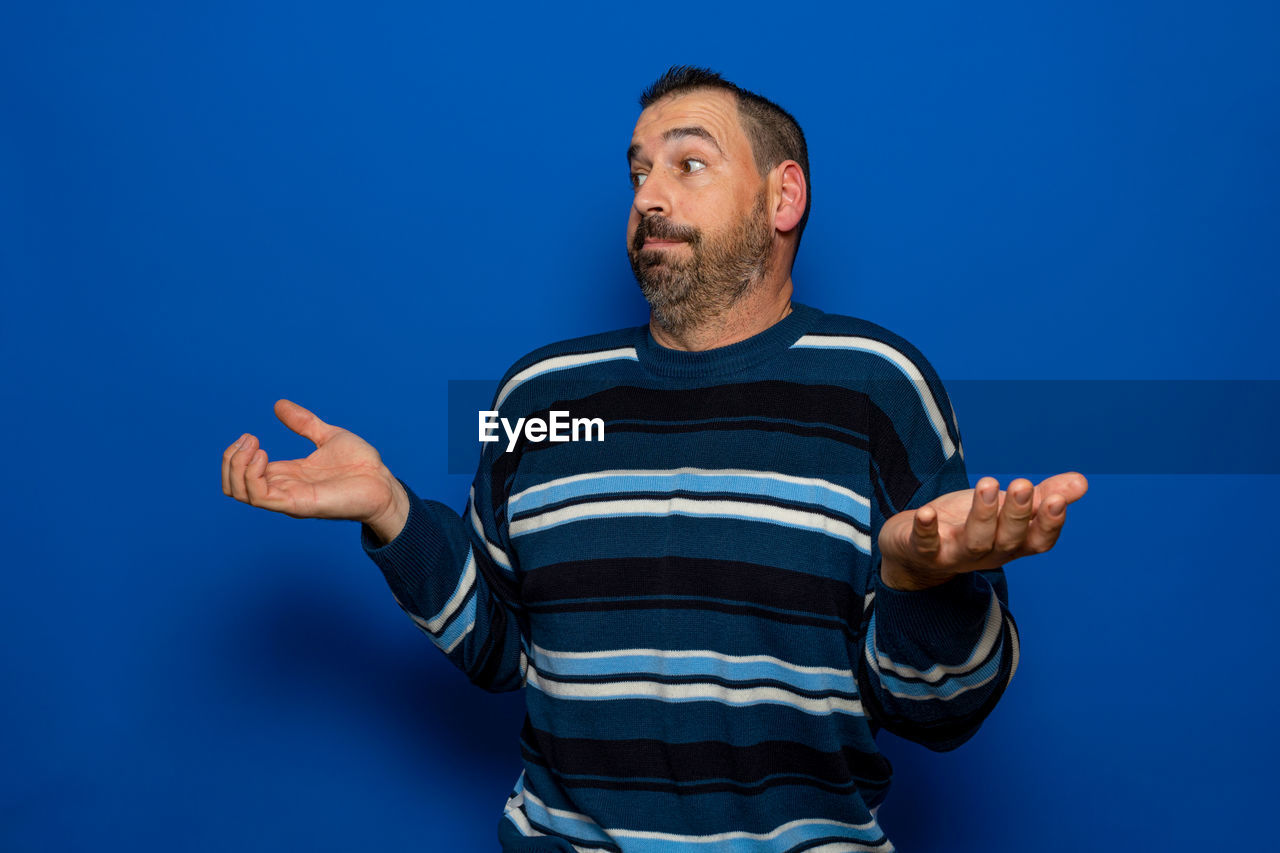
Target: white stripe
(955, 423)
(514, 813)
(499, 556)
(947, 698)
(470, 627)
(693, 653)
(561, 813)
(692, 506)
(694, 692)
(458, 598)
(1013, 649)
(435, 638)
(851, 847)
(938, 672)
(590, 831)
(740, 836)
(563, 362)
(697, 472)
(904, 364)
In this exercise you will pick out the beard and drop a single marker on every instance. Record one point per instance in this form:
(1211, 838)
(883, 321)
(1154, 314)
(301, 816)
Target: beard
(684, 293)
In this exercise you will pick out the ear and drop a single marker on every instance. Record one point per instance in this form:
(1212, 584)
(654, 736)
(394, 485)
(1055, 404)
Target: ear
(793, 195)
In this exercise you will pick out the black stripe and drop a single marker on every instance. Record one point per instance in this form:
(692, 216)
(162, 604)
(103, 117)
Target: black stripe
(677, 427)
(866, 790)
(842, 414)
(890, 458)
(837, 839)
(576, 582)
(716, 606)
(499, 608)
(702, 761)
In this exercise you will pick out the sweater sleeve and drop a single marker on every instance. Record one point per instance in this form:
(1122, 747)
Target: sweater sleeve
(936, 661)
(455, 580)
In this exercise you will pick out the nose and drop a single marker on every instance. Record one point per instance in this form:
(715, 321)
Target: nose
(654, 195)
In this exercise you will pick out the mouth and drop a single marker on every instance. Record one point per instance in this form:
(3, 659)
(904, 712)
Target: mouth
(658, 233)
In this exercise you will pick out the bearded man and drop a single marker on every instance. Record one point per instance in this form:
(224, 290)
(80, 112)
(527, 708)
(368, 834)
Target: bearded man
(774, 553)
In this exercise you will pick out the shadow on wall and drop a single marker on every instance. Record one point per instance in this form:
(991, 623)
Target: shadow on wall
(360, 659)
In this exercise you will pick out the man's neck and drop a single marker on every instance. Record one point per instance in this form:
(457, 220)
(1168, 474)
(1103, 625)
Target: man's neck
(756, 311)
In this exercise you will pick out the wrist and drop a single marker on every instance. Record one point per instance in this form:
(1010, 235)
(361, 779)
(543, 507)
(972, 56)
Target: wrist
(897, 576)
(387, 523)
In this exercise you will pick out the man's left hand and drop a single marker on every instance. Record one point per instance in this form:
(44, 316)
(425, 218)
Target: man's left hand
(975, 529)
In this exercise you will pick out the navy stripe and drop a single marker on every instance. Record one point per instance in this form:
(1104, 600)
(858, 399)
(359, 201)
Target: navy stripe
(706, 762)
(673, 576)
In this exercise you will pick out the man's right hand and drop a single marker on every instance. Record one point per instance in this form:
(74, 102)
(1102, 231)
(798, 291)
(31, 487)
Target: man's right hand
(343, 479)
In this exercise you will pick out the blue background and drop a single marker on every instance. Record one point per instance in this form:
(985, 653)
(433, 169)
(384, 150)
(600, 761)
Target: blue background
(204, 209)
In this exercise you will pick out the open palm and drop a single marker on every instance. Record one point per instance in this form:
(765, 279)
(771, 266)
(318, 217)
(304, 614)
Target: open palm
(344, 477)
(975, 529)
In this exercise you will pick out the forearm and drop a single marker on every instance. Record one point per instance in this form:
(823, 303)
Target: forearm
(442, 573)
(935, 661)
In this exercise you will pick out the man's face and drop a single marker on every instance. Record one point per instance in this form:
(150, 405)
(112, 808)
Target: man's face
(699, 233)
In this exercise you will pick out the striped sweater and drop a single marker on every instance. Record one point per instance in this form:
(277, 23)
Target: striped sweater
(693, 605)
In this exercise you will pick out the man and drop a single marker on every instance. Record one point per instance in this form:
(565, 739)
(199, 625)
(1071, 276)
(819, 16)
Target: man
(773, 553)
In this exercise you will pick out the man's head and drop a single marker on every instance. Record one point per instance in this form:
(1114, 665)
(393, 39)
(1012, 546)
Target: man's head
(721, 195)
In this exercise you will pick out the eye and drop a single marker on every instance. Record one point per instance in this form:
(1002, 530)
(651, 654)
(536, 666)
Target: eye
(637, 178)
(690, 165)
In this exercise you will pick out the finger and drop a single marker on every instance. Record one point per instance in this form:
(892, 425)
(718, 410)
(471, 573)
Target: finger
(226, 463)
(924, 531)
(240, 461)
(1015, 515)
(255, 479)
(980, 526)
(1046, 527)
(1071, 486)
(303, 422)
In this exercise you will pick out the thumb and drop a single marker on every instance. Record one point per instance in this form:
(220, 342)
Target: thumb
(303, 422)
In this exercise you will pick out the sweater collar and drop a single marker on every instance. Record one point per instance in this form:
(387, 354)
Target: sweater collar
(726, 360)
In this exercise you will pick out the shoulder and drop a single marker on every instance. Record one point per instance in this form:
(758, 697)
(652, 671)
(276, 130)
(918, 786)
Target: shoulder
(868, 343)
(602, 349)
(893, 374)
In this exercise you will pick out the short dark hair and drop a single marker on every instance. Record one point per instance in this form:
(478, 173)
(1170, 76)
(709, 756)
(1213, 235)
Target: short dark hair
(774, 133)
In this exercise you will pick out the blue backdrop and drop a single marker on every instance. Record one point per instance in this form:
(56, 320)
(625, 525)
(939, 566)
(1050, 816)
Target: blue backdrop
(204, 209)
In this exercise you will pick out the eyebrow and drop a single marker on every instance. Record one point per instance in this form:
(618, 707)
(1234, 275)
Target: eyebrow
(680, 133)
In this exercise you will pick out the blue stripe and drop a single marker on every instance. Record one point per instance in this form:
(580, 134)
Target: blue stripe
(466, 565)
(637, 664)
(464, 620)
(814, 495)
(579, 830)
(785, 841)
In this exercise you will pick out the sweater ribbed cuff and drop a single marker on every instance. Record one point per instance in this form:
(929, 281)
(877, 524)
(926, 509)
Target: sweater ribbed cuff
(948, 616)
(408, 560)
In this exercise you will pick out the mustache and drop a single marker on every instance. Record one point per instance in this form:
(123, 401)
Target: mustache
(661, 228)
